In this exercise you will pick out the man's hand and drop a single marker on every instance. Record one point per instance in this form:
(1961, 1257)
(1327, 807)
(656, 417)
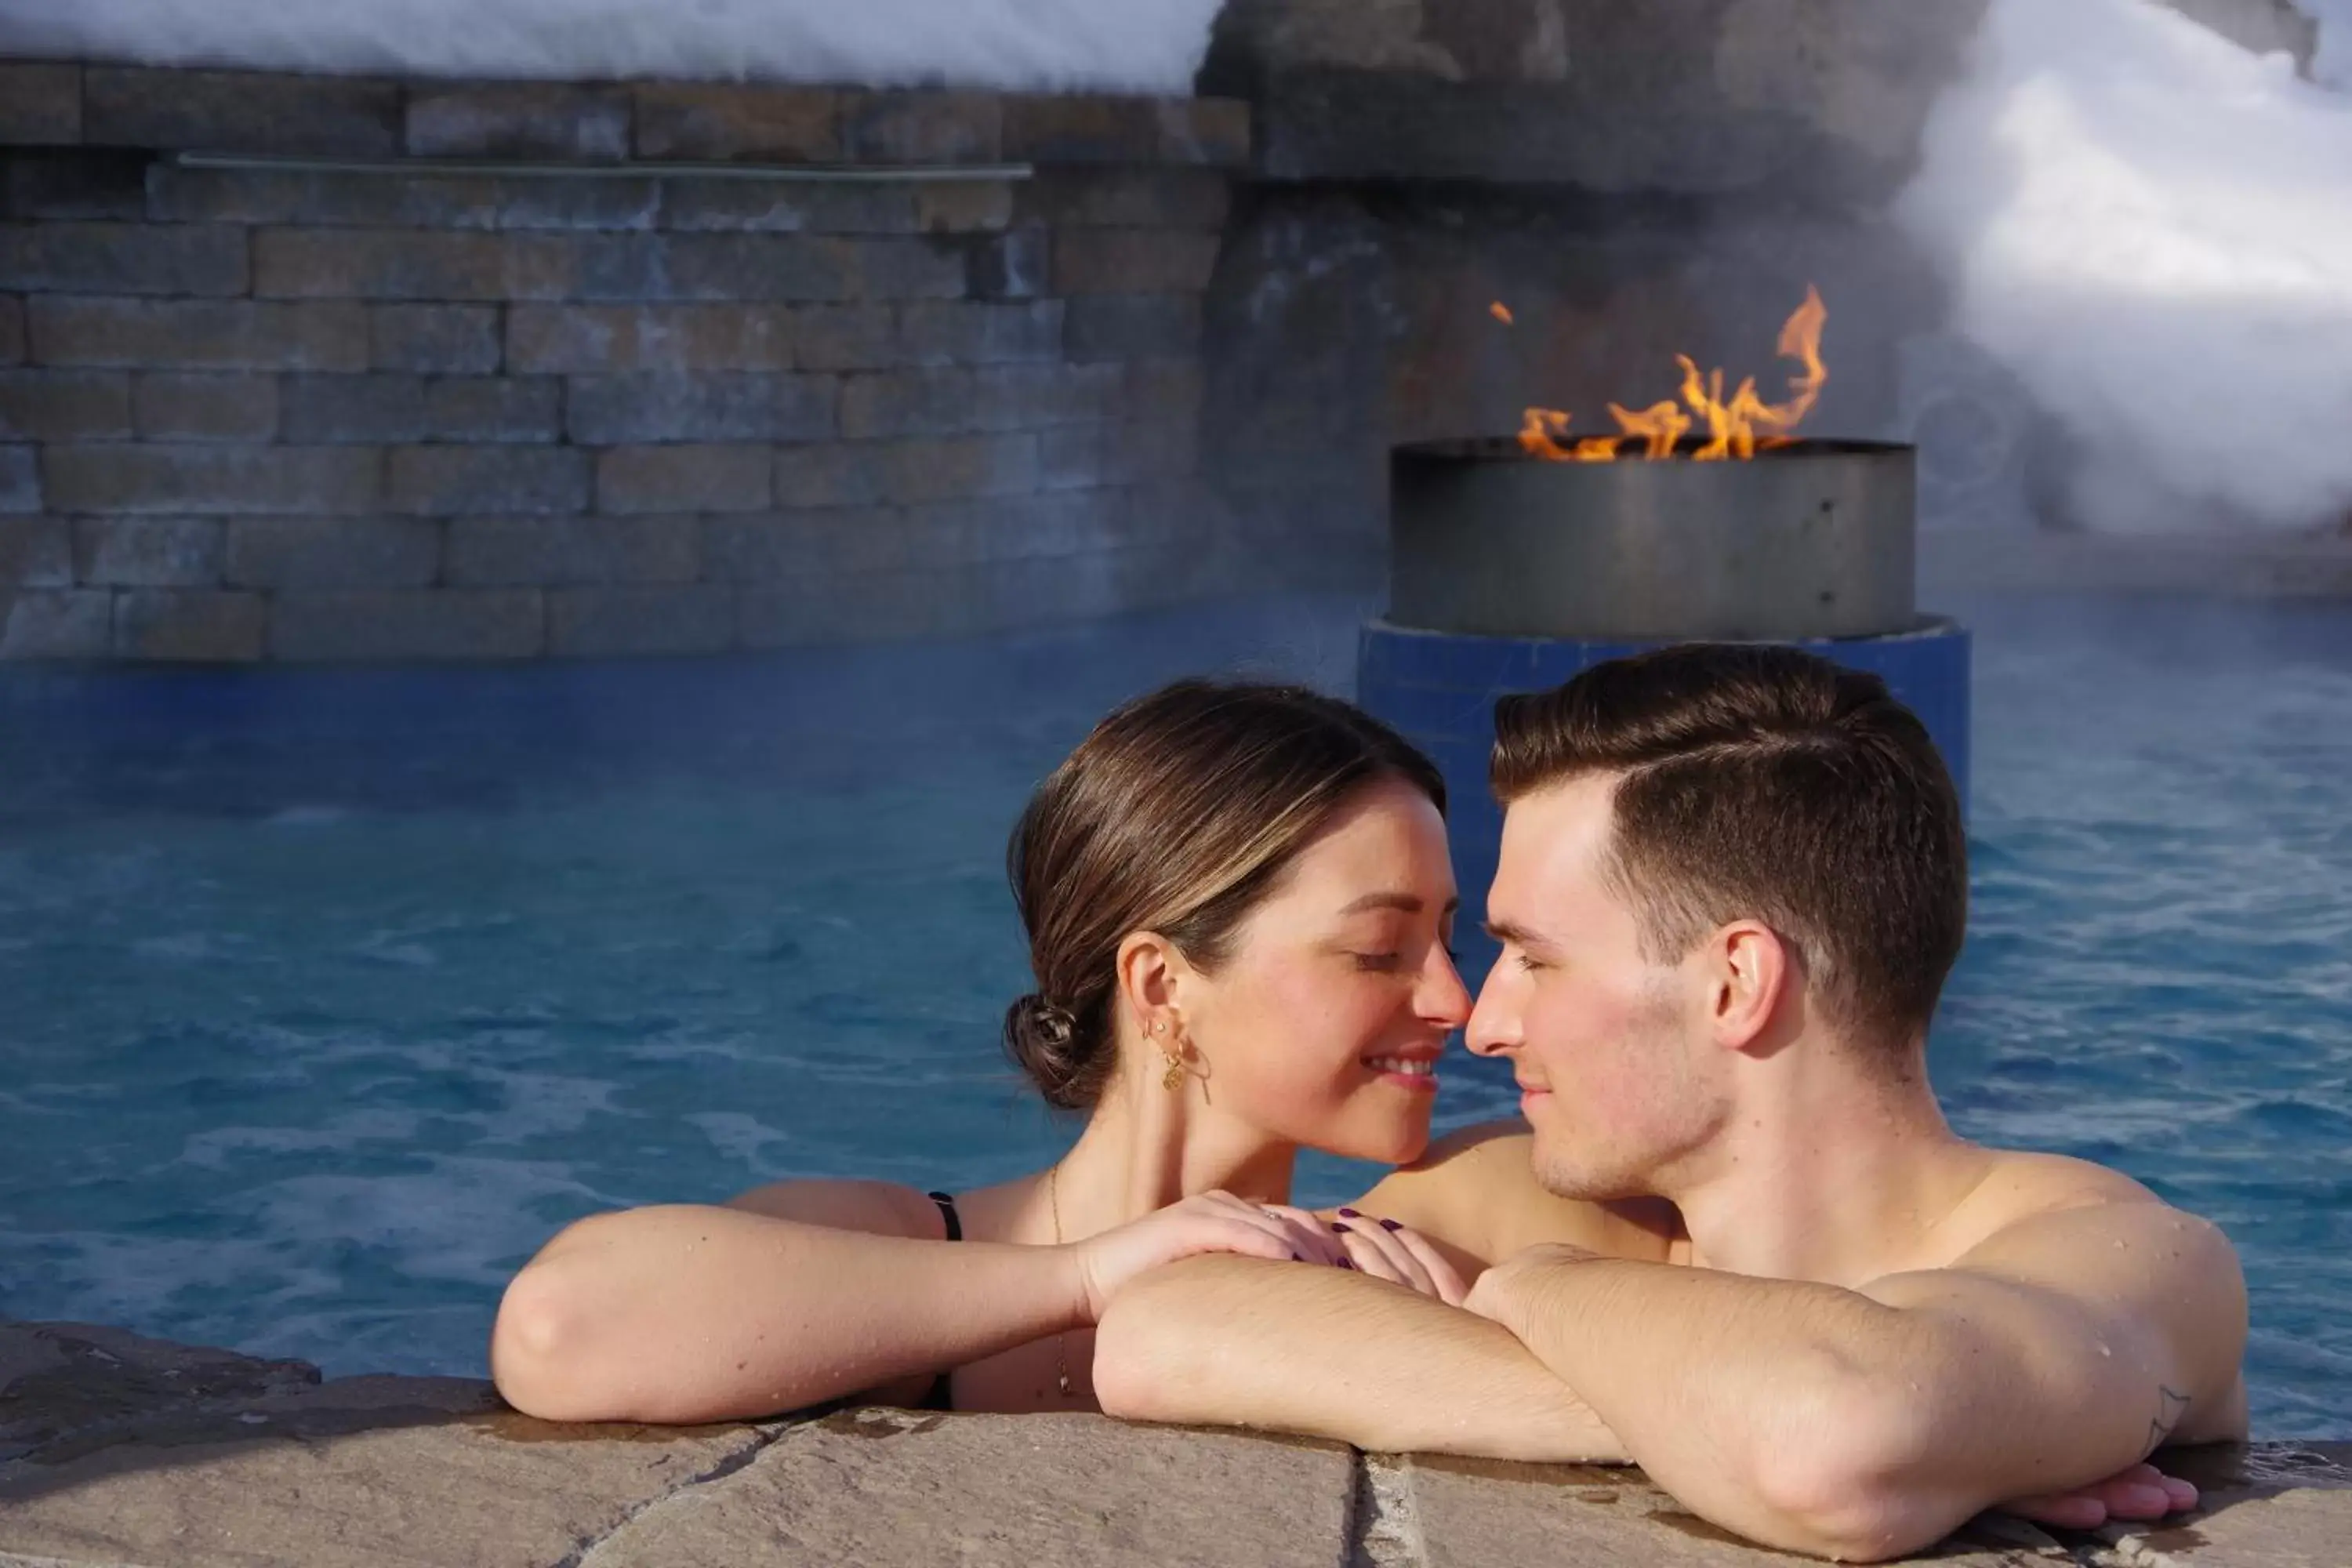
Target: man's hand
(1500, 1295)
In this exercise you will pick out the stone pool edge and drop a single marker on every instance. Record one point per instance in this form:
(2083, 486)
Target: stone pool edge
(122, 1450)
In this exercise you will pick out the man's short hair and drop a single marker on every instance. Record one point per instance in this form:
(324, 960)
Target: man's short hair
(1763, 783)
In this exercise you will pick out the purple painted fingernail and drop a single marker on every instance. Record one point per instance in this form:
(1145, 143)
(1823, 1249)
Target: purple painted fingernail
(1349, 1214)
(1299, 1257)
(1345, 1264)
(1390, 1224)
(1342, 1229)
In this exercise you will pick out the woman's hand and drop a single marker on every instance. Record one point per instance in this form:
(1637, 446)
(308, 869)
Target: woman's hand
(1387, 1250)
(1211, 1222)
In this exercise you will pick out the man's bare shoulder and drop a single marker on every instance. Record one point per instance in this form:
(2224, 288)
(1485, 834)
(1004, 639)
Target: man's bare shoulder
(2019, 1186)
(2133, 1268)
(1475, 1190)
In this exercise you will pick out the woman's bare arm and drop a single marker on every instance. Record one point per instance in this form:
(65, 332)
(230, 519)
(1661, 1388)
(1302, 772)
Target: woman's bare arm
(686, 1314)
(810, 1291)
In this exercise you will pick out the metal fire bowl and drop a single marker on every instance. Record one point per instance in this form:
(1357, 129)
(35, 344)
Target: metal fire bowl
(1814, 540)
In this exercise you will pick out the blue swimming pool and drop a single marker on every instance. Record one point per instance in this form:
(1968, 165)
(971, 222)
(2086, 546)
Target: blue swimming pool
(330, 994)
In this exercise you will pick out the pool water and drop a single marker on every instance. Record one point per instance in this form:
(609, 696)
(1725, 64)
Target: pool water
(333, 994)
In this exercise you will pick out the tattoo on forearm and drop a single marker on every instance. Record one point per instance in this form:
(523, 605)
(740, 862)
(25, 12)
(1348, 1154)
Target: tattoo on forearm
(2171, 1410)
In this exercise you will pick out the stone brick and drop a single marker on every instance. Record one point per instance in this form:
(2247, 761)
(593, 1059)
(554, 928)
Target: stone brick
(703, 479)
(619, 339)
(571, 551)
(354, 410)
(622, 410)
(12, 329)
(419, 624)
(633, 623)
(910, 403)
(964, 206)
(73, 624)
(122, 258)
(322, 199)
(39, 103)
(190, 334)
(1132, 326)
(561, 122)
(436, 340)
(453, 481)
(925, 127)
(960, 467)
(99, 184)
(179, 479)
(1166, 390)
(976, 332)
(395, 264)
(730, 206)
(332, 553)
(493, 409)
(553, 201)
(975, 532)
(1074, 128)
(35, 552)
(731, 124)
(1014, 266)
(20, 480)
(64, 405)
(1079, 456)
(179, 405)
(750, 267)
(834, 474)
(788, 546)
(148, 552)
(190, 625)
(905, 270)
(958, 401)
(1133, 261)
(1127, 198)
(242, 111)
(845, 337)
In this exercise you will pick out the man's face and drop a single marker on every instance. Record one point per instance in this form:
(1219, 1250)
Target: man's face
(1620, 1081)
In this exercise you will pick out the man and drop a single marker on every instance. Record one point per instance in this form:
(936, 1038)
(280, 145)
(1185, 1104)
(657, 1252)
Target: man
(1741, 1247)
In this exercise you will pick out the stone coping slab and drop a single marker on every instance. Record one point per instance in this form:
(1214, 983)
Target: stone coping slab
(279, 114)
(135, 1453)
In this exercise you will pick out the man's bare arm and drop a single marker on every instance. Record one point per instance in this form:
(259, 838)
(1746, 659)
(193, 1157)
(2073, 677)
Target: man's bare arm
(1864, 1423)
(1474, 1196)
(1230, 1341)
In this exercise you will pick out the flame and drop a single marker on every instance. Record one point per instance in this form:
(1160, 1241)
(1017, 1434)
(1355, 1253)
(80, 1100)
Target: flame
(1737, 429)
(1502, 314)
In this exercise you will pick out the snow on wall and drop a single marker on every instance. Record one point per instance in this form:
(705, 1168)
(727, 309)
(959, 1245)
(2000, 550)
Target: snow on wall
(1123, 45)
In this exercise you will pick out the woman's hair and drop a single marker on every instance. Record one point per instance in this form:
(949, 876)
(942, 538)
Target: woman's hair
(1178, 816)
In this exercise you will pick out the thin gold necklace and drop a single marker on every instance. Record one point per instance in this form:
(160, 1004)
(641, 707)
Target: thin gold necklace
(1061, 1340)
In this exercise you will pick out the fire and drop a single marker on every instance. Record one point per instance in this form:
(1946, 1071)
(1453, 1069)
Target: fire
(1502, 314)
(1737, 428)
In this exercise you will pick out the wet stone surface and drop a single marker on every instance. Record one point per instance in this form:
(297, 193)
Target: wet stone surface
(121, 1450)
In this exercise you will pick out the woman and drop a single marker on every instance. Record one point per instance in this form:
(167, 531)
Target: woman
(1238, 904)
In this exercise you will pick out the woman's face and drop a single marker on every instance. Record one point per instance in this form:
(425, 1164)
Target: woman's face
(1324, 1026)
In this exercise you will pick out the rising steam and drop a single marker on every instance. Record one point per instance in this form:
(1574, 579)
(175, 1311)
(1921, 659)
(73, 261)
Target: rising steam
(2152, 230)
(1126, 45)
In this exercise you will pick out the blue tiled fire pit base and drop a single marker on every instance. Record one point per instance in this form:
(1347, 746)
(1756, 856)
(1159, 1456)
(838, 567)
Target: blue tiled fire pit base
(1440, 689)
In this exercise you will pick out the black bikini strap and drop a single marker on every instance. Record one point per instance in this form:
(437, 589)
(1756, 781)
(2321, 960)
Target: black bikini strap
(948, 1213)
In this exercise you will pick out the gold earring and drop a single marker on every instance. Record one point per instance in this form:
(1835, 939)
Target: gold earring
(1174, 1076)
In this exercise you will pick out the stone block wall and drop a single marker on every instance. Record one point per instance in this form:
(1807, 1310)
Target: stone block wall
(393, 371)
